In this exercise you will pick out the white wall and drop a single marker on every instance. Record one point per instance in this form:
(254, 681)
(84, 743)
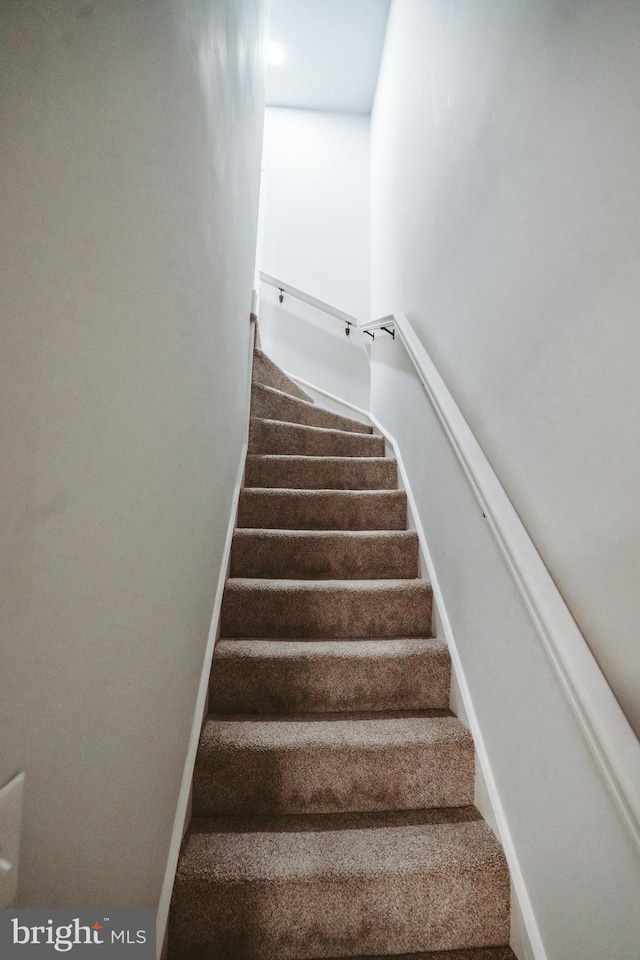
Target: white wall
(316, 231)
(129, 179)
(310, 344)
(317, 209)
(576, 870)
(506, 225)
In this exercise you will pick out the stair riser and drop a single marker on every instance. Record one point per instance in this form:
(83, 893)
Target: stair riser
(323, 510)
(265, 371)
(475, 953)
(408, 910)
(324, 556)
(338, 612)
(288, 439)
(417, 678)
(287, 921)
(309, 778)
(321, 473)
(274, 406)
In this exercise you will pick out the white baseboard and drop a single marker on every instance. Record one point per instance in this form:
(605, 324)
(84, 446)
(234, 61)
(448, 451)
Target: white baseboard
(336, 404)
(526, 941)
(183, 809)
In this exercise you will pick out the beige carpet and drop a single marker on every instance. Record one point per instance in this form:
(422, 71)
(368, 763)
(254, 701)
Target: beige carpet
(333, 790)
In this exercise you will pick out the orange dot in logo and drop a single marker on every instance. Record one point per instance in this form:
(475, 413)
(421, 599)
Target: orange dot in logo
(97, 926)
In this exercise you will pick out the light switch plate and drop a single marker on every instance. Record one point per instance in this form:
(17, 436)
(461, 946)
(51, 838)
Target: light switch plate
(11, 796)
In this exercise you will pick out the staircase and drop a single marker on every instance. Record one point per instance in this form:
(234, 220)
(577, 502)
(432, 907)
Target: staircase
(333, 791)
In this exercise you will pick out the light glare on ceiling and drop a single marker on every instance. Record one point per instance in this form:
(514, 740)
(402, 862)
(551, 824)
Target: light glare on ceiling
(275, 54)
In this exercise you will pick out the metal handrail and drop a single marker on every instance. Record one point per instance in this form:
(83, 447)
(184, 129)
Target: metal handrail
(283, 287)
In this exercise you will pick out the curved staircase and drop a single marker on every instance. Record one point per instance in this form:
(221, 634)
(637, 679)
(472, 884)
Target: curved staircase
(333, 791)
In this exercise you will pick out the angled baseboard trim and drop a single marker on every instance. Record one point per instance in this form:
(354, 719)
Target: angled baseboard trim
(482, 756)
(183, 808)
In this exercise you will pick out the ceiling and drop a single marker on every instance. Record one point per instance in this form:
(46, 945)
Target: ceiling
(332, 51)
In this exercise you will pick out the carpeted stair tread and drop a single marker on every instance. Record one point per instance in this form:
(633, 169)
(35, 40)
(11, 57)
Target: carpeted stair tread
(300, 509)
(311, 766)
(326, 608)
(304, 554)
(309, 473)
(265, 371)
(290, 676)
(272, 896)
(273, 404)
(295, 439)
